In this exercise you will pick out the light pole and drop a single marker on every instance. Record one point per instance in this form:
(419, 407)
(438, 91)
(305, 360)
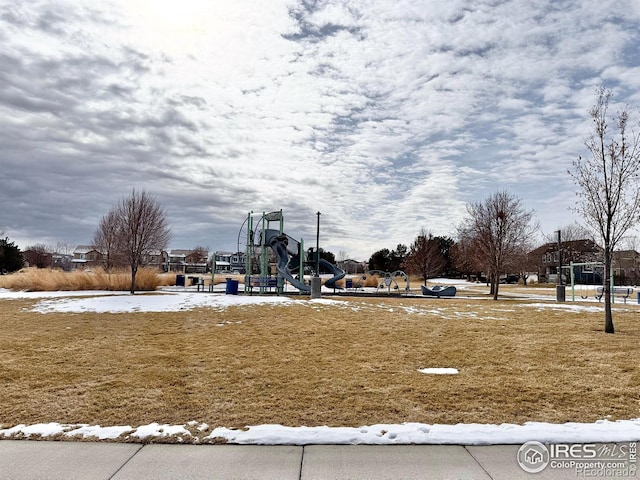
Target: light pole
(559, 259)
(560, 290)
(315, 281)
(318, 246)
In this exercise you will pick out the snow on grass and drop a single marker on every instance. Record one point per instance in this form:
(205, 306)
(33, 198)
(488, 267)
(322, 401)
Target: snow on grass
(602, 431)
(153, 302)
(566, 307)
(439, 371)
(156, 430)
(96, 431)
(21, 294)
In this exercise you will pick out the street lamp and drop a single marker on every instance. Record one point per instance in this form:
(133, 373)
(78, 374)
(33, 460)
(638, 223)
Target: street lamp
(559, 259)
(560, 289)
(318, 246)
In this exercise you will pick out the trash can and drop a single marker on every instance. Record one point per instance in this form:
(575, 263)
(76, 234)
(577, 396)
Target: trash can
(179, 280)
(316, 287)
(638, 298)
(232, 287)
(560, 293)
(349, 283)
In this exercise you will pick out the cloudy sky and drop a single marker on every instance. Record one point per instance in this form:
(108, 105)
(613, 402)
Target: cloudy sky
(384, 115)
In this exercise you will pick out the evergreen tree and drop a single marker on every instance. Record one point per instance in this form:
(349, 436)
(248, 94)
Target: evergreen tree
(10, 256)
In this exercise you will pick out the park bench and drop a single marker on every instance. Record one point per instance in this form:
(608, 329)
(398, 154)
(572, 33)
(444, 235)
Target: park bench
(622, 292)
(197, 282)
(268, 283)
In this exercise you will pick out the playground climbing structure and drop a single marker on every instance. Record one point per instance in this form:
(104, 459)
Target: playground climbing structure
(257, 237)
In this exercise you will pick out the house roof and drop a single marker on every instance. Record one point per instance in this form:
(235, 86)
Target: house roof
(582, 246)
(85, 249)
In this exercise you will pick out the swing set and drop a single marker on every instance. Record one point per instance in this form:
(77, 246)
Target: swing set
(595, 290)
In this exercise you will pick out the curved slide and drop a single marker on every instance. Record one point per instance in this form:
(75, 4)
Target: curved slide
(286, 249)
(338, 274)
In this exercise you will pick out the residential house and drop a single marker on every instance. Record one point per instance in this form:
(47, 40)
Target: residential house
(37, 258)
(188, 261)
(63, 261)
(226, 262)
(158, 259)
(576, 251)
(626, 267)
(86, 256)
(352, 266)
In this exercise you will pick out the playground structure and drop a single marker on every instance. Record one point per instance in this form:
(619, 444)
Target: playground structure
(439, 291)
(594, 289)
(257, 238)
(388, 280)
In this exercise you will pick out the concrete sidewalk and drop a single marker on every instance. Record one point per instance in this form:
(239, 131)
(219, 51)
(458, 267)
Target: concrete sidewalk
(31, 460)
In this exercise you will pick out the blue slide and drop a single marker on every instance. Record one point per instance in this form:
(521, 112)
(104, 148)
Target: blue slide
(286, 250)
(338, 274)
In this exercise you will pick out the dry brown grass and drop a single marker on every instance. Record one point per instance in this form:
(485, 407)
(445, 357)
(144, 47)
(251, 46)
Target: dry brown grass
(314, 364)
(39, 280)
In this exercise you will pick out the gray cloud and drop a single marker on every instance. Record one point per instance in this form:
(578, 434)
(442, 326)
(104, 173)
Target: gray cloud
(381, 115)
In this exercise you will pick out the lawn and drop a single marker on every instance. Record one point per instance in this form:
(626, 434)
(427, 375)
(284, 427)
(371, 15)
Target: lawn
(349, 361)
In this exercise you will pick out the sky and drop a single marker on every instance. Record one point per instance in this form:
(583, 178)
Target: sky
(386, 116)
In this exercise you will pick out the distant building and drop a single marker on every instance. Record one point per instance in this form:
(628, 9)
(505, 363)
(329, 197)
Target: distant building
(352, 266)
(229, 262)
(158, 259)
(576, 251)
(37, 258)
(86, 256)
(188, 261)
(626, 267)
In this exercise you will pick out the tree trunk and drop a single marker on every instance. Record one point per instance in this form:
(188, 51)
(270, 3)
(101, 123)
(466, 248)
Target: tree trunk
(496, 281)
(608, 317)
(134, 270)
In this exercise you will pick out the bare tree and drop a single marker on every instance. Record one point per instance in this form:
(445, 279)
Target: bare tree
(464, 254)
(570, 232)
(424, 257)
(500, 227)
(107, 239)
(522, 262)
(141, 228)
(608, 185)
(63, 247)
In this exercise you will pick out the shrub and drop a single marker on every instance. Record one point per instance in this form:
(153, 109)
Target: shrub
(35, 279)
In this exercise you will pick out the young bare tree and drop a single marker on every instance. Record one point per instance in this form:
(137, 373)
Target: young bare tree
(500, 227)
(141, 228)
(106, 239)
(424, 257)
(608, 186)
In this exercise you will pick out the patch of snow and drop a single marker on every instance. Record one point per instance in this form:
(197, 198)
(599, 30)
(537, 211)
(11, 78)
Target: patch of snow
(602, 431)
(157, 430)
(96, 431)
(439, 371)
(42, 429)
(21, 294)
(157, 302)
(565, 306)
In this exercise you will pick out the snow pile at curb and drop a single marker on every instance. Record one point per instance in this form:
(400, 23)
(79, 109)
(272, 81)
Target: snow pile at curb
(602, 431)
